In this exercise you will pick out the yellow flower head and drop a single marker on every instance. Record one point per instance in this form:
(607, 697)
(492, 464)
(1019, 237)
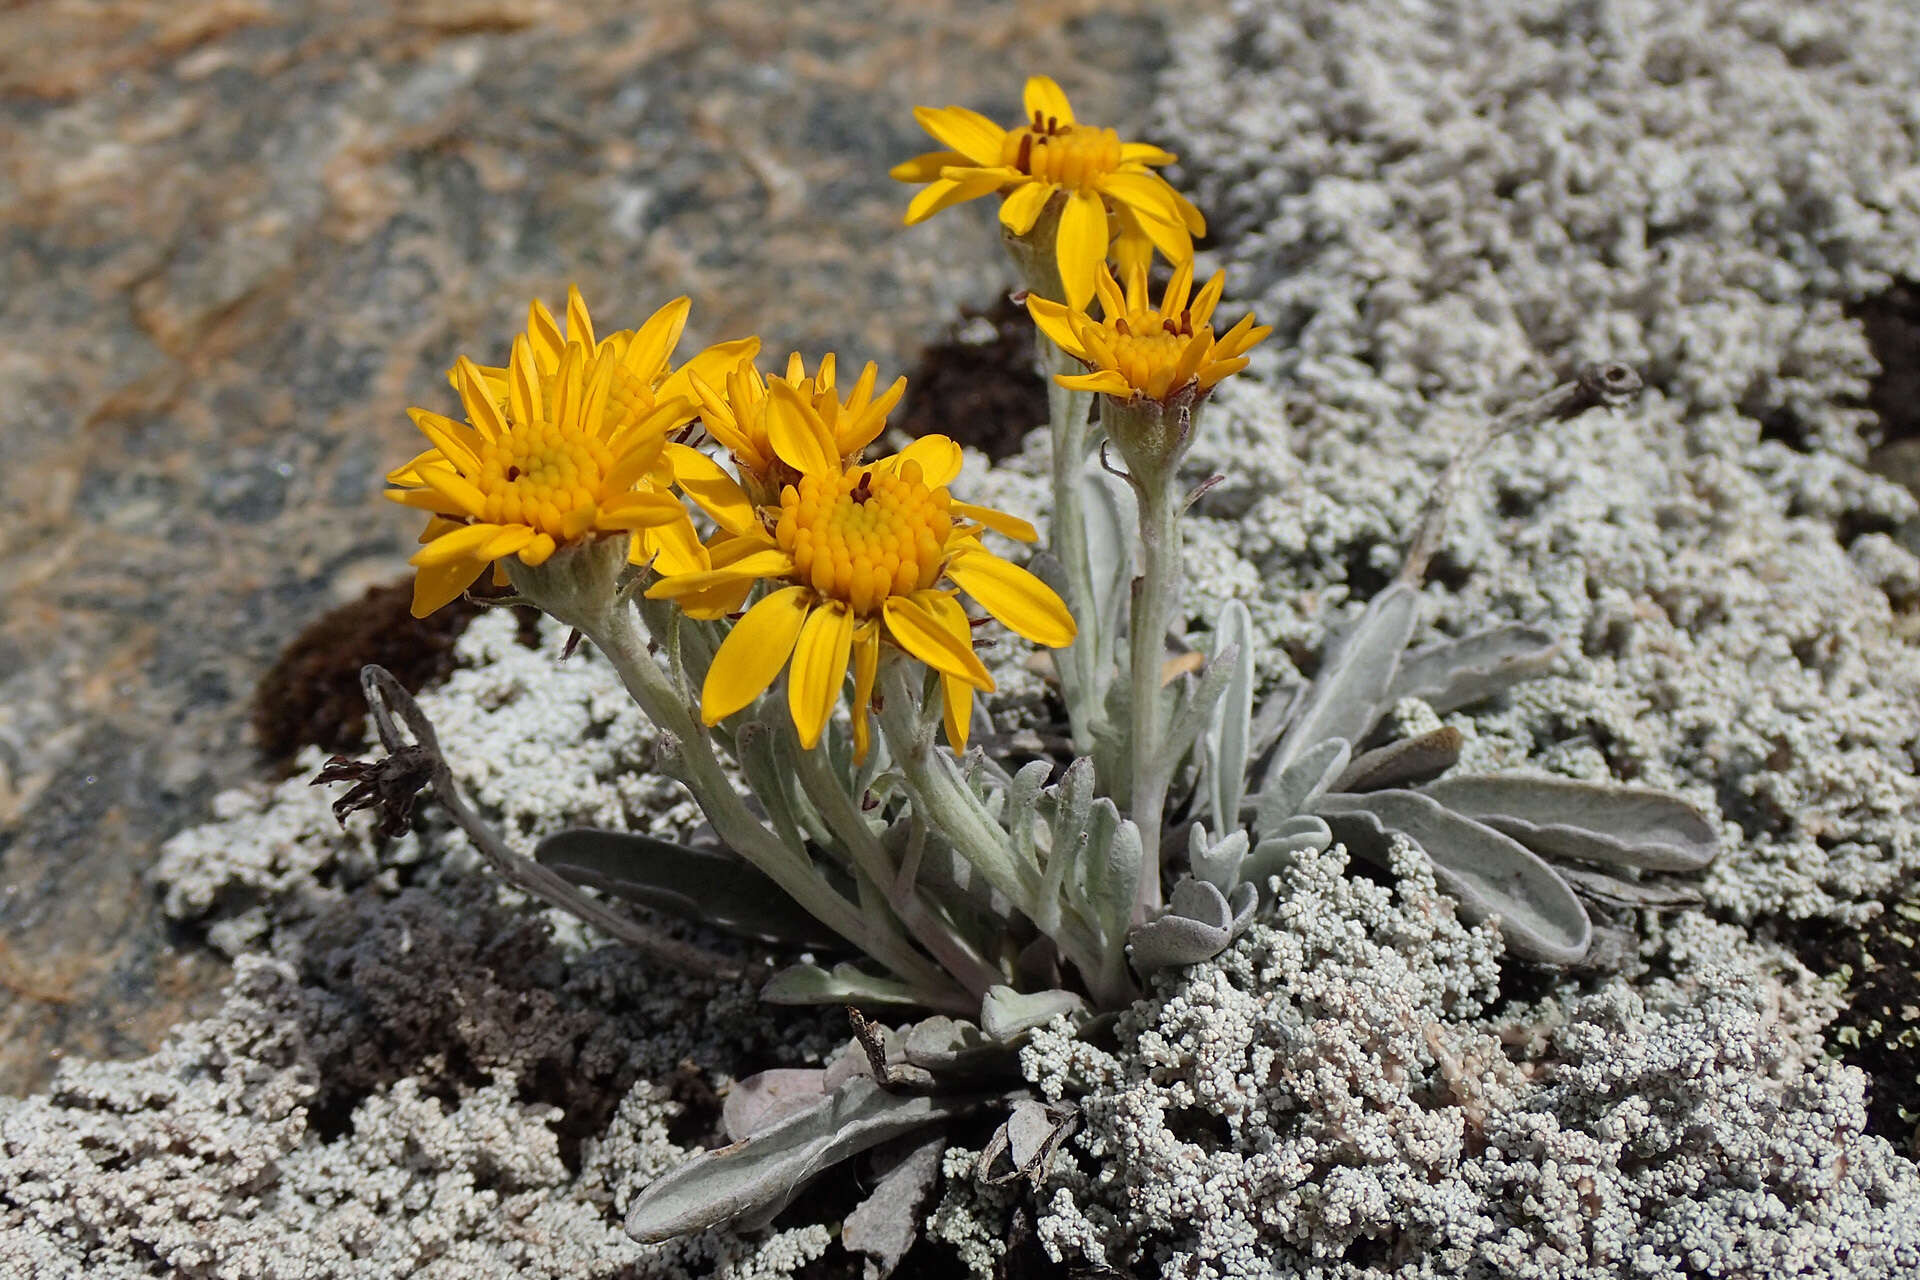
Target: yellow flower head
(858, 555)
(735, 414)
(563, 445)
(1050, 154)
(1139, 353)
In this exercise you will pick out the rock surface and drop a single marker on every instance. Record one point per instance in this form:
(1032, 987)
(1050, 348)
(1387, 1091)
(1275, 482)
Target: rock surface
(242, 237)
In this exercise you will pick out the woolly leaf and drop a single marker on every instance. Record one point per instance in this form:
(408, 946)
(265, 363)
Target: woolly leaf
(1586, 821)
(709, 886)
(1230, 732)
(1491, 874)
(749, 1182)
(1351, 689)
(1280, 847)
(1219, 862)
(952, 1046)
(1459, 673)
(1109, 871)
(1297, 786)
(811, 984)
(1196, 709)
(1199, 923)
(1006, 1013)
(764, 1099)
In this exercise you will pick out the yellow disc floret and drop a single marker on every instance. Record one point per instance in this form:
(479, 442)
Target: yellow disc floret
(864, 535)
(1061, 152)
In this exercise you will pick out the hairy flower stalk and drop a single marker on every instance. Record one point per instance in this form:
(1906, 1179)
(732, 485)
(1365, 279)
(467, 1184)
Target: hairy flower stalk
(1152, 368)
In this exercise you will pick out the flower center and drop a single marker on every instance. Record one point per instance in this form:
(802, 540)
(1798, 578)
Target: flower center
(1070, 155)
(864, 535)
(538, 474)
(1147, 350)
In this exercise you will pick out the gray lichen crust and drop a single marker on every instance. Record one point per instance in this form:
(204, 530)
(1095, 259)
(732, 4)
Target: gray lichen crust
(1342, 1094)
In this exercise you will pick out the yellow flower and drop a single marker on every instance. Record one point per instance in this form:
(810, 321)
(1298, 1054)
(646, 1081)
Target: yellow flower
(735, 414)
(1138, 353)
(858, 556)
(1090, 168)
(564, 445)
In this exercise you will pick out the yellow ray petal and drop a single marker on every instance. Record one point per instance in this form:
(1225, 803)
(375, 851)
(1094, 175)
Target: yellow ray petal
(523, 384)
(459, 444)
(711, 366)
(437, 585)
(938, 457)
(761, 564)
(797, 434)
(460, 493)
(866, 663)
(536, 553)
(462, 544)
(915, 628)
(479, 400)
(926, 166)
(1144, 153)
(509, 540)
(1045, 98)
(968, 132)
(1024, 205)
(819, 669)
(639, 510)
(956, 696)
(1174, 300)
(753, 653)
(1007, 526)
(1148, 194)
(569, 388)
(709, 485)
(862, 428)
(579, 321)
(1051, 317)
(944, 193)
(672, 548)
(1202, 308)
(654, 341)
(1082, 245)
(1023, 604)
(544, 333)
(1104, 382)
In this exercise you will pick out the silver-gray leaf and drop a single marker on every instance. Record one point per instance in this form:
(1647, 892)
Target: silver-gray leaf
(1491, 874)
(749, 1182)
(1586, 821)
(1459, 673)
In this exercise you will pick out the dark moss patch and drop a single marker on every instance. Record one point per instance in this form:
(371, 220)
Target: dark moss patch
(1880, 1030)
(979, 385)
(311, 694)
(1892, 323)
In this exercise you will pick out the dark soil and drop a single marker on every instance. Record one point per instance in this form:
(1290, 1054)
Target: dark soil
(1892, 323)
(311, 694)
(982, 391)
(1880, 1030)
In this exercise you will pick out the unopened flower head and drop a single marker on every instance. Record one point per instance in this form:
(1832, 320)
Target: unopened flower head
(1089, 169)
(858, 556)
(563, 445)
(735, 413)
(1139, 352)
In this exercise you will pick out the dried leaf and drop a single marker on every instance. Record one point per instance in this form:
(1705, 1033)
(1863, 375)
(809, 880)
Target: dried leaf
(886, 1223)
(1402, 763)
